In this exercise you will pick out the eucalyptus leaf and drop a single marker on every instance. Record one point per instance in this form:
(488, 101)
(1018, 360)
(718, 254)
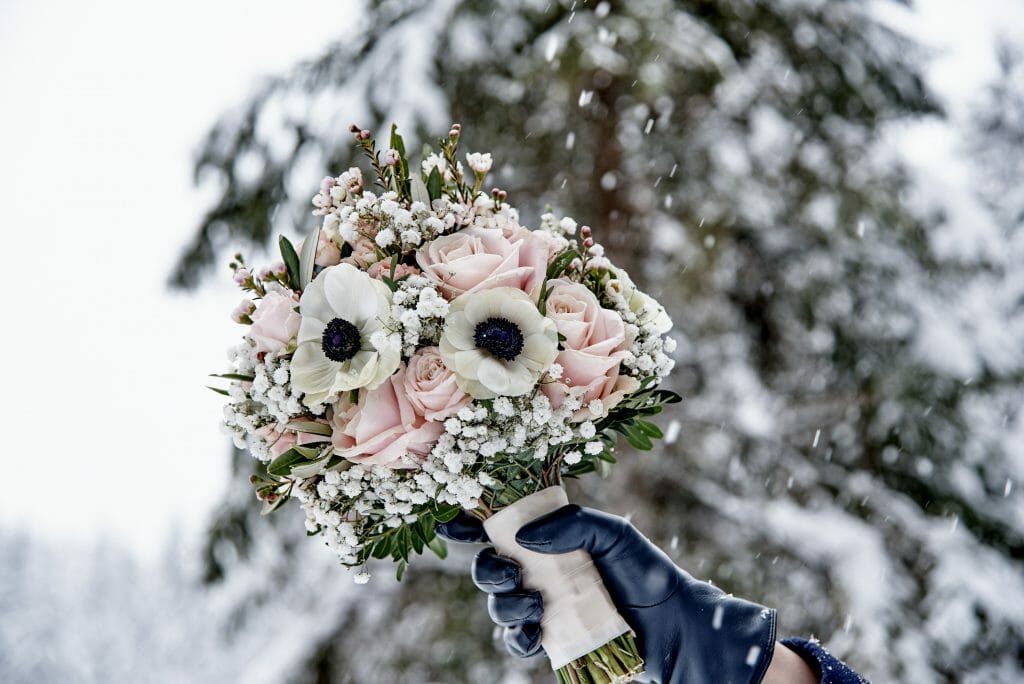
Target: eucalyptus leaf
(419, 190)
(218, 390)
(282, 465)
(307, 260)
(434, 184)
(310, 427)
(438, 546)
(313, 468)
(446, 513)
(234, 376)
(271, 506)
(382, 549)
(290, 259)
(396, 140)
(650, 429)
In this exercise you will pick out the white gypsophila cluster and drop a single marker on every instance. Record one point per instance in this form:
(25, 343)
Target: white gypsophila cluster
(525, 427)
(514, 425)
(390, 225)
(561, 227)
(650, 351)
(418, 310)
(269, 399)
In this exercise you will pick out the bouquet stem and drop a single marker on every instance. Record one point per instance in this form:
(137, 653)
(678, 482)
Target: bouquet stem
(617, 662)
(586, 639)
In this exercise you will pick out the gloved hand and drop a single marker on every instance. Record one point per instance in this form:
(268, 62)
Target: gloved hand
(689, 632)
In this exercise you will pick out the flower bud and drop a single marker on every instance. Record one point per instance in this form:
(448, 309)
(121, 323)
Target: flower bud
(391, 157)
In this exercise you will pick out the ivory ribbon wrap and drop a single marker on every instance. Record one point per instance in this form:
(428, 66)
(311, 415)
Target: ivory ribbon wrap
(579, 616)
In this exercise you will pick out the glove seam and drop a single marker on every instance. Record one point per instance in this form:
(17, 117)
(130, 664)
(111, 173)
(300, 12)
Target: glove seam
(767, 650)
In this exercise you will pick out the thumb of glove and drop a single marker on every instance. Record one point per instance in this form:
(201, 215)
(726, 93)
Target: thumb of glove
(636, 573)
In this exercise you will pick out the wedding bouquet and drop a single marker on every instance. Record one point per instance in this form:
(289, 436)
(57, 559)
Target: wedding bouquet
(421, 352)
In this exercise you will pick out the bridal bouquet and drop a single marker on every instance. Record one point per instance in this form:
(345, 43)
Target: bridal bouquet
(421, 352)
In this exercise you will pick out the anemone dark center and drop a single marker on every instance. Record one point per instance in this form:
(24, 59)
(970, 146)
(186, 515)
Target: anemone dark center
(341, 340)
(500, 336)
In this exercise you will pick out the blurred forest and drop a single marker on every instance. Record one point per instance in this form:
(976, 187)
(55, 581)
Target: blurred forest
(851, 353)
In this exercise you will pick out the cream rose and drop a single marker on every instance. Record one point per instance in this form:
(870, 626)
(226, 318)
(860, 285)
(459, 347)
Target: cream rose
(383, 428)
(649, 313)
(275, 322)
(478, 259)
(594, 346)
(431, 386)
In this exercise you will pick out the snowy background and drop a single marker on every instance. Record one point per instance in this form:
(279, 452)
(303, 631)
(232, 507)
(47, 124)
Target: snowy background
(830, 194)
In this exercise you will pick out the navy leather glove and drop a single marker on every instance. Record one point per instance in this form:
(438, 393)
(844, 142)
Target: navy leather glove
(689, 632)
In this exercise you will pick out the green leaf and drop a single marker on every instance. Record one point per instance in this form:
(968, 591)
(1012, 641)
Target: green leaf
(310, 427)
(307, 261)
(434, 184)
(561, 262)
(396, 140)
(419, 190)
(382, 549)
(313, 467)
(400, 570)
(218, 390)
(282, 465)
(438, 546)
(446, 513)
(234, 376)
(664, 396)
(291, 261)
(270, 507)
(650, 429)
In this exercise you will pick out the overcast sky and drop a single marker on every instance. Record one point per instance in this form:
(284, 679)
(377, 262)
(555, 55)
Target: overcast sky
(107, 424)
(108, 429)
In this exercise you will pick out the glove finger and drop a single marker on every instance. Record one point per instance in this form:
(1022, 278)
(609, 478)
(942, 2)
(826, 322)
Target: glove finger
(636, 572)
(573, 527)
(523, 641)
(464, 528)
(515, 608)
(495, 574)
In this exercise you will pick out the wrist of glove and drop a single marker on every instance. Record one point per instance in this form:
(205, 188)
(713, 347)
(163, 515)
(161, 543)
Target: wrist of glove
(688, 631)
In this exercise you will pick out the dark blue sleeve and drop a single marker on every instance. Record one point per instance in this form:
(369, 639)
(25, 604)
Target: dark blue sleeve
(827, 667)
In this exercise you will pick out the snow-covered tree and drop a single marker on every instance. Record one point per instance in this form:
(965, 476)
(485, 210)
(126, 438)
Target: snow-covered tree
(852, 372)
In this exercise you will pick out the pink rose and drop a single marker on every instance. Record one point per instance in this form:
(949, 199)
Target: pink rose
(383, 268)
(363, 255)
(327, 252)
(477, 259)
(595, 344)
(383, 428)
(431, 386)
(275, 322)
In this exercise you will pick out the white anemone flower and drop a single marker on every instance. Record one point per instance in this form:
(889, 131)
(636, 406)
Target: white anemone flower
(497, 343)
(341, 309)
